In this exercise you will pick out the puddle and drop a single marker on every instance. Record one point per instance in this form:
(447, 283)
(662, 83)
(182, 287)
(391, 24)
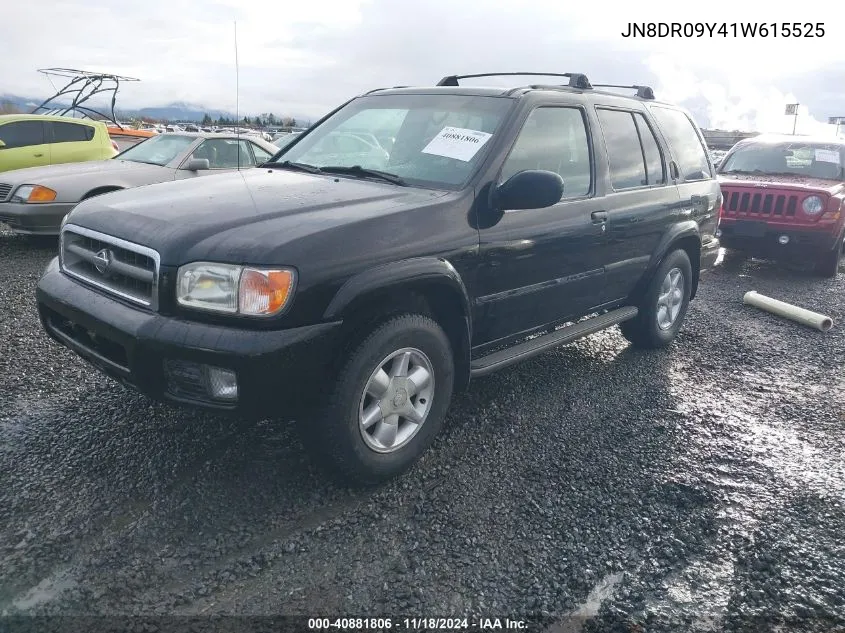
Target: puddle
(574, 622)
(45, 591)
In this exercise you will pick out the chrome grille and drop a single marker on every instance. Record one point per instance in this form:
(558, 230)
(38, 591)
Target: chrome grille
(122, 268)
(5, 190)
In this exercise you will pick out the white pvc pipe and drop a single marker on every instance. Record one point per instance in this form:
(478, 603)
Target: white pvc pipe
(789, 311)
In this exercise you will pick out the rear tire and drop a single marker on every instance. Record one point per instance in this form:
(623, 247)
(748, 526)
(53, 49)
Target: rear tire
(663, 305)
(369, 428)
(828, 264)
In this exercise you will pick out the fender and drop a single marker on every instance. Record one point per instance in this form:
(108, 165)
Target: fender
(385, 276)
(102, 189)
(679, 231)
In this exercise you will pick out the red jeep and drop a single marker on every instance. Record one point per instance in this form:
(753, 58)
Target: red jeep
(782, 198)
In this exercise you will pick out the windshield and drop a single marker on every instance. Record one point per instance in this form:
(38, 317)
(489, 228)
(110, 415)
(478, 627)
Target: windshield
(434, 141)
(805, 159)
(157, 150)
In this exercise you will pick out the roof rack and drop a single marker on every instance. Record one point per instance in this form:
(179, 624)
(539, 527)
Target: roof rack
(643, 92)
(576, 80)
(369, 92)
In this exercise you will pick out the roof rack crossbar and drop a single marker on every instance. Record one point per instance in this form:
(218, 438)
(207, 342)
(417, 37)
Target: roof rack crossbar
(576, 80)
(643, 92)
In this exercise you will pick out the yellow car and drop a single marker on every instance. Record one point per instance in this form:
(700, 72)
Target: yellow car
(34, 140)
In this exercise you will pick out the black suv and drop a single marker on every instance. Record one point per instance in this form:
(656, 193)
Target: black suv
(410, 240)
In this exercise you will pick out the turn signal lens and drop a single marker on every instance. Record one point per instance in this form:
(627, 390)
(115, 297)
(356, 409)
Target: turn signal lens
(265, 292)
(41, 194)
(33, 193)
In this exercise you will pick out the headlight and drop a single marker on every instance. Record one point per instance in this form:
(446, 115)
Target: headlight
(812, 205)
(234, 289)
(33, 193)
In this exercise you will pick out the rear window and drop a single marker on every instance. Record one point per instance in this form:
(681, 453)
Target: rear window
(71, 132)
(687, 147)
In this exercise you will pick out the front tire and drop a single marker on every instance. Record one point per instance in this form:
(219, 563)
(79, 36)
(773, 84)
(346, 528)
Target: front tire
(663, 305)
(388, 402)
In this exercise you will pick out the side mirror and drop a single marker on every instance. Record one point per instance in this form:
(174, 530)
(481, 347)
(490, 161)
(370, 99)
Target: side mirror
(530, 189)
(198, 164)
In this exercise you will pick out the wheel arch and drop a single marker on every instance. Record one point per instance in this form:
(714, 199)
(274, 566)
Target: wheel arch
(98, 191)
(425, 285)
(684, 235)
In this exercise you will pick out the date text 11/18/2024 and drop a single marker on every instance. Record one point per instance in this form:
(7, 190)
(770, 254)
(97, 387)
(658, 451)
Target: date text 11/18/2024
(724, 29)
(415, 624)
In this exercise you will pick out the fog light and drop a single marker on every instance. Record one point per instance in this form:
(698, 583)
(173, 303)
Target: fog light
(783, 239)
(196, 381)
(222, 383)
(718, 233)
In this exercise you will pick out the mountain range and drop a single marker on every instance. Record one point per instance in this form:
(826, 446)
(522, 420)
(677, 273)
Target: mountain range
(177, 111)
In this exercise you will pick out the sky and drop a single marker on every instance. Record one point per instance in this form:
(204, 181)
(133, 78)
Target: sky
(307, 57)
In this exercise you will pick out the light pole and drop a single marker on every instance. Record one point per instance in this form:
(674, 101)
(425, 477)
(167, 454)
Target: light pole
(837, 121)
(792, 110)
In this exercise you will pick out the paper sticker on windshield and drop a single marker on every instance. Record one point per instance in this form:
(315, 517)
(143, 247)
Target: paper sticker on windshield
(457, 142)
(827, 155)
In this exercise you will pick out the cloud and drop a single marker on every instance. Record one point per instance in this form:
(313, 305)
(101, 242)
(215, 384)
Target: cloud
(309, 57)
(734, 103)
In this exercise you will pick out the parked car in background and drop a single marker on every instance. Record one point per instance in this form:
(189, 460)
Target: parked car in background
(784, 198)
(35, 140)
(354, 289)
(36, 200)
(283, 140)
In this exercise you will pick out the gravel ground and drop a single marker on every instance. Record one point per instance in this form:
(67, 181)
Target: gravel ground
(595, 487)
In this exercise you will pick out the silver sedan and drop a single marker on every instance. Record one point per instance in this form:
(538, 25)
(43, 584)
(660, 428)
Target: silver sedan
(35, 200)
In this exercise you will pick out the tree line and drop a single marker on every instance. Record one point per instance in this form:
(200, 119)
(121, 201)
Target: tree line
(267, 119)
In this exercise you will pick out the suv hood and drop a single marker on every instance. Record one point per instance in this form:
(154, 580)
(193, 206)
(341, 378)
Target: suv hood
(50, 173)
(797, 183)
(231, 217)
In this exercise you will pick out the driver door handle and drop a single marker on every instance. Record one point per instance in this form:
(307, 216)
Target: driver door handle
(599, 217)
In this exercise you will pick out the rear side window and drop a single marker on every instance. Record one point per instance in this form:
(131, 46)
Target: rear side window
(71, 132)
(655, 173)
(22, 133)
(689, 151)
(554, 139)
(260, 155)
(624, 152)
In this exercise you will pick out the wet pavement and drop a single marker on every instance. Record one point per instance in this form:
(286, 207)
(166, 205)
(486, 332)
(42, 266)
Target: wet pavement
(593, 488)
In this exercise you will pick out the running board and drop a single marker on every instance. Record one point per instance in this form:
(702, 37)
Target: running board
(503, 358)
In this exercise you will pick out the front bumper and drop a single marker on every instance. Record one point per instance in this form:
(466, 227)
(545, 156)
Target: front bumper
(35, 219)
(760, 240)
(276, 369)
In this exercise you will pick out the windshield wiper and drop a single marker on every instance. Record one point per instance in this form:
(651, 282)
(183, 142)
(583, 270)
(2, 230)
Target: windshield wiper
(286, 164)
(357, 170)
(742, 171)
